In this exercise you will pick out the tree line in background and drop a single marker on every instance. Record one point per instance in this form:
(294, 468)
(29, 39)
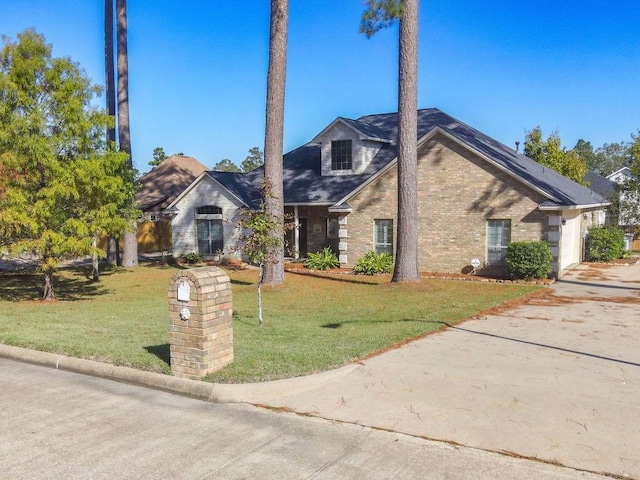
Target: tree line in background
(609, 158)
(576, 162)
(253, 160)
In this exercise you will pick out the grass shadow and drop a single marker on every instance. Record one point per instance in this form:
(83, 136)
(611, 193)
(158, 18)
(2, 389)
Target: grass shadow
(21, 286)
(404, 320)
(163, 352)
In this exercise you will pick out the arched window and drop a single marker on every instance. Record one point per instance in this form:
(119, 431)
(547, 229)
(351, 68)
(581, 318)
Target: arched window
(209, 229)
(209, 210)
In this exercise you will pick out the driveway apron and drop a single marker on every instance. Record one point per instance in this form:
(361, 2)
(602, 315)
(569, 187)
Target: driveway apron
(556, 379)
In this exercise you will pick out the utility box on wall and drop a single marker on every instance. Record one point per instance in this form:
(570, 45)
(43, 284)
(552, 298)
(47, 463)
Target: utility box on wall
(201, 312)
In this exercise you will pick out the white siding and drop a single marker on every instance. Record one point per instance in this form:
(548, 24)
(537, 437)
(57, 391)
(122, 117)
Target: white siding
(206, 192)
(362, 153)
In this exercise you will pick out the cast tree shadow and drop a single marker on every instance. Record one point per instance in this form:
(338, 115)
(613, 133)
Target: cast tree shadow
(536, 344)
(162, 351)
(21, 287)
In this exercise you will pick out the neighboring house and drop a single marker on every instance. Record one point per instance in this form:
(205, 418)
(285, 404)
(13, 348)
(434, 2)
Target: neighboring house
(158, 188)
(475, 196)
(603, 187)
(620, 177)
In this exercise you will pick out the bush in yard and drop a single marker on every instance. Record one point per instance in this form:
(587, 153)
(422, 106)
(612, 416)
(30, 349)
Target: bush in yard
(373, 263)
(605, 244)
(529, 260)
(192, 258)
(322, 260)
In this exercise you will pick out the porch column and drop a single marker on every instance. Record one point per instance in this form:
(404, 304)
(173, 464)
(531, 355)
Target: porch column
(296, 234)
(342, 238)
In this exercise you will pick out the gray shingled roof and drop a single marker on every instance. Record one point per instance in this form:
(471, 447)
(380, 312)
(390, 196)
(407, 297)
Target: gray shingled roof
(304, 184)
(245, 186)
(601, 185)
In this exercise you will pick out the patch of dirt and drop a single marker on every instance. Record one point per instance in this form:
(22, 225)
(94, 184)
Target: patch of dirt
(593, 274)
(627, 300)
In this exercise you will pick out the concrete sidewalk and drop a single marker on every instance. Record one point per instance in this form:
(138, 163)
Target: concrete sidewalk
(556, 380)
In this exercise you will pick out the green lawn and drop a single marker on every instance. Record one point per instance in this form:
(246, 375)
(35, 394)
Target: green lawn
(311, 324)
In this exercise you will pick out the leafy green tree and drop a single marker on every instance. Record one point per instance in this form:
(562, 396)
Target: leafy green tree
(226, 165)
(60, 185)
(551, 154)
(253, 160)
(379, 14)
(158, 157)
(584, 150)
(629, 198)
(613, 156)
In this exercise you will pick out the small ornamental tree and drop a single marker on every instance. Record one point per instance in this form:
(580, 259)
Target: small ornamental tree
(60, 187)
(529, 260)
(261, 236)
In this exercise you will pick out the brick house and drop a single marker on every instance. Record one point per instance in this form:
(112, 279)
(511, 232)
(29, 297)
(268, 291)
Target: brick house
(475, 195)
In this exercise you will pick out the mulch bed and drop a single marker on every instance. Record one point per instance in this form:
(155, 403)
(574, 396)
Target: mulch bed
(301, 269)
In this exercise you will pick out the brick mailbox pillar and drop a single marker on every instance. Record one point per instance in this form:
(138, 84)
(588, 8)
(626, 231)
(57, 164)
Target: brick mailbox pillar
(201, 309)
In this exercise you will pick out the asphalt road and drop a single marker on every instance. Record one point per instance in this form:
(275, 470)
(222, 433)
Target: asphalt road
(56, 424)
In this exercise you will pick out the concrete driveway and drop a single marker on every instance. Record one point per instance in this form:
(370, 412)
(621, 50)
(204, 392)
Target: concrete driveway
(557, 379)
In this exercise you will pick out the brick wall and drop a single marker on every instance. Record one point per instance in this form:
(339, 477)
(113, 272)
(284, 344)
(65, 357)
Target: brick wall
(457, 193)
(203, 342)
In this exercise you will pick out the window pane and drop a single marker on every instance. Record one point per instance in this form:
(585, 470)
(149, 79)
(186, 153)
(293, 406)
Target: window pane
(210, 236)
(216, 236)
(498, 238)
(341, 155)
(383, 236)
(203, 237)
(209, 210)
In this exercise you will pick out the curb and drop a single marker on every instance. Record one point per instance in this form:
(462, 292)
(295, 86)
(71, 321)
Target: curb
(253, 393)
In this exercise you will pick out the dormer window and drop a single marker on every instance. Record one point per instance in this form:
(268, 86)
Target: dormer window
(341, 158)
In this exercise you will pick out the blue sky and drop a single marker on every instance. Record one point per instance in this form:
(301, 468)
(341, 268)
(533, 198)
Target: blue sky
(198, 68)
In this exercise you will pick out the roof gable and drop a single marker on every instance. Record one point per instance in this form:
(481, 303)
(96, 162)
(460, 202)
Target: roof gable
(160, 186)
(364, 130)
(559, 190)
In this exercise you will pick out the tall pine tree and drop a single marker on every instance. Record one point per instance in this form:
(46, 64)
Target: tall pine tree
(378, 15)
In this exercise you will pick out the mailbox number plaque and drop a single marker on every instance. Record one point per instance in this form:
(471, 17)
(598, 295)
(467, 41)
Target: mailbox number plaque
(184, 292)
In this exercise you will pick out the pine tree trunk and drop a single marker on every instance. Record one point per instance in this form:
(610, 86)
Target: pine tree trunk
(109, 69)
(48, 293)
(274, 129)
(130, 243)
(95, 261)
(110, 94)
(406, 262)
